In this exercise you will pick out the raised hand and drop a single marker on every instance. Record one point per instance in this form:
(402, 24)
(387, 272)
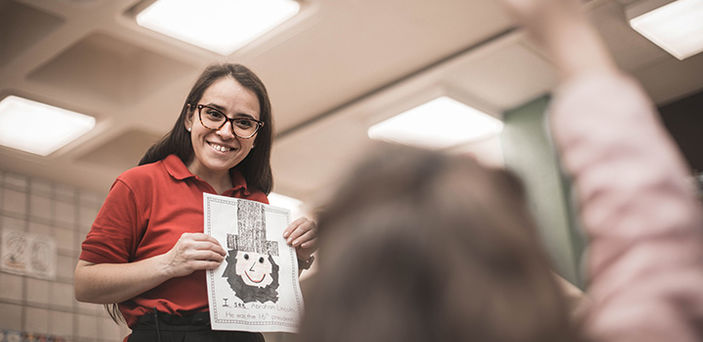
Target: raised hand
(563, 30)
(533, 13)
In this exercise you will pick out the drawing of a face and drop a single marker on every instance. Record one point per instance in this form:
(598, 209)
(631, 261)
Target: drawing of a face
(251, 270)
(251, 278)
(254, 268)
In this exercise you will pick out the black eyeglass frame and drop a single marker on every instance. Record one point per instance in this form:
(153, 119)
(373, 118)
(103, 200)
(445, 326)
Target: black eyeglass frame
(259, 124)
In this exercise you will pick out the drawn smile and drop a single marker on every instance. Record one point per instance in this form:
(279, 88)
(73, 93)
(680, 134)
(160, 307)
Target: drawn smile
(255, 281)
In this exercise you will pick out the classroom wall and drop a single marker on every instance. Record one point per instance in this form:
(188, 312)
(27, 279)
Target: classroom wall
(529, 152)
(48, 307)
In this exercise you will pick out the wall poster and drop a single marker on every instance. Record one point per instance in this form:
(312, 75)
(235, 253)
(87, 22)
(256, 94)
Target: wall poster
(28, 254)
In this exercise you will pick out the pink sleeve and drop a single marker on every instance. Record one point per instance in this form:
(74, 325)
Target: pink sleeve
(639, 211)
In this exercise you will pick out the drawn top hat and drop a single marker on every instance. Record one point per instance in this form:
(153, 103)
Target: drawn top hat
(252, 230)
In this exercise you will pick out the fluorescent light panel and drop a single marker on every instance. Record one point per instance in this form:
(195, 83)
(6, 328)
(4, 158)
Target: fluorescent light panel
(221, 26)
(39, 128)
(676, 27)
(437, 124)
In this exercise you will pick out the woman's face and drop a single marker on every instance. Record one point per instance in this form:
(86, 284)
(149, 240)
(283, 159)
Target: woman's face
(216, 151)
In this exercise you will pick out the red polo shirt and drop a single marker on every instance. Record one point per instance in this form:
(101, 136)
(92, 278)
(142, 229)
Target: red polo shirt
(146, 211)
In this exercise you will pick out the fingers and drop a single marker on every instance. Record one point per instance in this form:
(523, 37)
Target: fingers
(300, 231)
(310, 244)
(198, 237)
(294, 225)
(202, 245)
(203, 265)
(304, 238)
(302, 235)
(200, 241)
(205, 255)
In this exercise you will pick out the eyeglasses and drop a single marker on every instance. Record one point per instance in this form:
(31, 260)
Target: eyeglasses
(243, 127)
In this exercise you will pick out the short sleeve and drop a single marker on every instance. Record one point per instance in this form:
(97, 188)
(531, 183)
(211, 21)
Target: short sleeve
(114, 234)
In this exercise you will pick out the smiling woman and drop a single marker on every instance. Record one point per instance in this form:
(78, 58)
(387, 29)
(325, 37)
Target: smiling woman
(146, 250)
(218, 149)
(214, 85)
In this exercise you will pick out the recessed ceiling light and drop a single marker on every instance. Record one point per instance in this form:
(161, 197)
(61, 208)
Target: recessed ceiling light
(440, 123)
(675, 26)
(39, 128)
(221, 26)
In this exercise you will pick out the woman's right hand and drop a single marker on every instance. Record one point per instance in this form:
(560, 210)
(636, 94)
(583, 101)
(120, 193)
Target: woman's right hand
(192, 252)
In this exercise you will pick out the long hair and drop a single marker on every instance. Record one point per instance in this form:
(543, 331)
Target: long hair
(419, 246)
(256, 167)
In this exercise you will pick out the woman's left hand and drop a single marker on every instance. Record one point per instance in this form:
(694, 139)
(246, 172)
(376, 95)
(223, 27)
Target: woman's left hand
(302, 235)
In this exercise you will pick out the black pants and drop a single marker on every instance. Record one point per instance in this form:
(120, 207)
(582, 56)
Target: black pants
(192, 327)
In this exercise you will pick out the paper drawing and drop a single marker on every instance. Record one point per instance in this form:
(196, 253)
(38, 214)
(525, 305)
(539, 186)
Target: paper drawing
(251, 269)
(256, 287)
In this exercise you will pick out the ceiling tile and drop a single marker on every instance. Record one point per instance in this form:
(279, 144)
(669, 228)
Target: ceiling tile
(504, 78)
(123, 151)
(22, 27)
(111, 69)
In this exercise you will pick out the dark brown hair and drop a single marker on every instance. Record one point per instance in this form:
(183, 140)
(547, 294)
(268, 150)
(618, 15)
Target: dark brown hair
(256, 167)
(420, 246)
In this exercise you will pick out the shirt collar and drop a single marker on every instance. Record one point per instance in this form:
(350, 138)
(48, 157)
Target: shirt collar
(238, 181)
(178, 170)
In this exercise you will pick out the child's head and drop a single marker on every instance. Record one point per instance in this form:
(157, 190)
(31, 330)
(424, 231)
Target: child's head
(421, 246)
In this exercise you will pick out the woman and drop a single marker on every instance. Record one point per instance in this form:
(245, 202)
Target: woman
(435, 248)
(146, 250)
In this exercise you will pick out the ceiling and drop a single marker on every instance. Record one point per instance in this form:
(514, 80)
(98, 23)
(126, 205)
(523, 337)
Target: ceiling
(332, 71)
